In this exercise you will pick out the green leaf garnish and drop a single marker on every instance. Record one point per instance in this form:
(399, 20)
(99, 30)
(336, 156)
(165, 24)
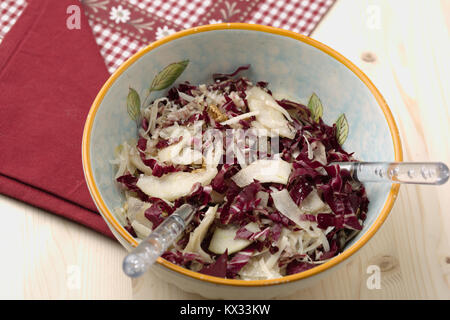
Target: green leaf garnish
(341, 129)
(315, 106)
(168, 75)
(134, 105)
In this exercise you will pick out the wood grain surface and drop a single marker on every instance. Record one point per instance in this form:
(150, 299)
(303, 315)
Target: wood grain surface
(404, 48)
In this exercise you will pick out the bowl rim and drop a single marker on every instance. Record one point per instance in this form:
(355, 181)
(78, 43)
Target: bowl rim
(112, 221)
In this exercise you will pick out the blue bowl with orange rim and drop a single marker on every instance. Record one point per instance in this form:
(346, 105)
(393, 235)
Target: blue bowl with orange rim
(295, 66)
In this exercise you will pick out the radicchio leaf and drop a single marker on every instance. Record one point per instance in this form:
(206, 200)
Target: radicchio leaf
(298, 266)
(239, 260)
(180, 258)
(218, 268)
(129, 182)
(155, 212)
(224, 76)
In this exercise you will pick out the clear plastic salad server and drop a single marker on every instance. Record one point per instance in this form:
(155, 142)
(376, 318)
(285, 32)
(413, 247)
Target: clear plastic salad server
(145, 254)
(432, 173)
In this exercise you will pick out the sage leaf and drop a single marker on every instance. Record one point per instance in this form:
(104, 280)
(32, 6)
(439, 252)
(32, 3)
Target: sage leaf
(315, 106)
(133, 104)
(168, 75)
(341, 129)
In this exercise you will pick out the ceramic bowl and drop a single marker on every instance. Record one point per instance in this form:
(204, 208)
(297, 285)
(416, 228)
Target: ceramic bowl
(294, 66)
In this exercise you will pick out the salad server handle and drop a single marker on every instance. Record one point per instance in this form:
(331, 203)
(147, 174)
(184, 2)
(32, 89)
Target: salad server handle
(429, 173)
(145, 254)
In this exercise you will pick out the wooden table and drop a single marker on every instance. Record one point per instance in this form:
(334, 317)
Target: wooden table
(404, 47)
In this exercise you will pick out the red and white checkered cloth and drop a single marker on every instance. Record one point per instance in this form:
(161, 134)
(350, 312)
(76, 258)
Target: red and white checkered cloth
(122, 27)
(10, 11)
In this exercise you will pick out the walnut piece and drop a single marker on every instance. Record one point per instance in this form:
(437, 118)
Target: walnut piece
(216, 114)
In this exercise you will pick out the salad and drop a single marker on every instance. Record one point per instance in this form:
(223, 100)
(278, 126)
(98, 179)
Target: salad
(259, 169)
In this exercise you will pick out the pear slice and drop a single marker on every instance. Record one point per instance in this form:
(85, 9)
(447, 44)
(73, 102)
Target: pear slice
(223, 238)
(196, 237)
(174, 185)
(264, 170)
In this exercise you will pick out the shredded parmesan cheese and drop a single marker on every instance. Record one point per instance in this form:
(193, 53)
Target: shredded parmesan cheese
(240, 117)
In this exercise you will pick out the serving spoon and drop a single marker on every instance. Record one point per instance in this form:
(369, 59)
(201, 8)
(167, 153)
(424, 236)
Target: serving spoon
(145, 254)
(429, 173)
(150, 249)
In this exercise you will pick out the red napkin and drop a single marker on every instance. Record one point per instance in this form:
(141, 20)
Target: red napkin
(49, 77)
